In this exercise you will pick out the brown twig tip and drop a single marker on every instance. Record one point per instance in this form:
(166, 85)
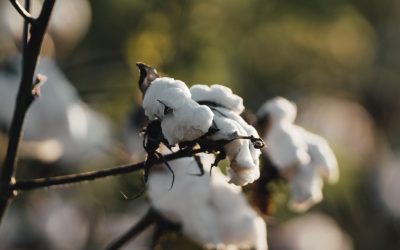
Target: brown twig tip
(147, 75)
(22, 11)
(40, 80)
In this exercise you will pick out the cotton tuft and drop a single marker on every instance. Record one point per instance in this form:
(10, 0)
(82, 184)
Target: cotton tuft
(211, 211)
(243, 157)
(302, 157)
(218, 94)
(182, 119)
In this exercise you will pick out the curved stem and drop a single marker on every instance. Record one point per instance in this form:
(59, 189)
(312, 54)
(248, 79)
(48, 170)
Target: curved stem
(22, 11)
(132, 233)
(94, 175)
(24, 97)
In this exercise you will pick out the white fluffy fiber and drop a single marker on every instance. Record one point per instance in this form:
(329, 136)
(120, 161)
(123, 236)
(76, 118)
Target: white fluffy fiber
(243, 157)
(219, 94)
(211, 211)
(286, 146)
(187, 121)
(301, 157)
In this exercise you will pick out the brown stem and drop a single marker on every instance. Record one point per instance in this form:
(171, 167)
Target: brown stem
(151, 217)
(24, 96)
(145, 222)
(207, 147)
(89, 176)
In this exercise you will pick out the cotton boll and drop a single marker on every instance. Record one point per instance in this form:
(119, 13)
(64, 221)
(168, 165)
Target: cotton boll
(299, 155)
(305, 188)
(182, 119)
(286, 146)
(226, 106)
(243, 168)
(162, 91)
(186, 123)
(211, 211)
(322, 156)
(218, 94)
(187, 202)
(247, 130)
(241, 226)
(279, 109)
(227, 128)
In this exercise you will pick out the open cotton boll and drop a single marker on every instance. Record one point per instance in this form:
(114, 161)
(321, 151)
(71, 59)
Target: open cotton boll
(248, 130)
(162, 89)
(188, 202)
(211, 212)
(182, 119)
(244, 163)
(218, 94)
(243, 157)
(286, 145)
(300, 156)
(226, 106)
(278, 109)
(322, 156)
(241, 226)
(305, 189)
(186, 123)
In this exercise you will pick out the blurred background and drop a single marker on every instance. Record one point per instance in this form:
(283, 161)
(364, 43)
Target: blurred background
(339, 60)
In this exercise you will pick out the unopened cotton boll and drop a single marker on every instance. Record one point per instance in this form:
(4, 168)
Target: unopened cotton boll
(182, 119)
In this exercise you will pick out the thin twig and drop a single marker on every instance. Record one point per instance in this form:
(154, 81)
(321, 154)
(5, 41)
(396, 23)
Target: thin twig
(145, 222)
(25, 31)
(151, 217)
(208, 147)
(22, 11)
(24, 97)
(89, 176)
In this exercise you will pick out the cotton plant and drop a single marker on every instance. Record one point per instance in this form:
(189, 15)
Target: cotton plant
(210, 211)
(304, 159)
(211, 114)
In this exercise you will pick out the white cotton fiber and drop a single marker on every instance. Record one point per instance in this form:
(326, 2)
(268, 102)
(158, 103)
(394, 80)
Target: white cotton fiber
(286, 146)
(305, 189)
(211, 211)
(182, 119)
(243, 157)
(322, 156)
(302, 157)
(218, 94)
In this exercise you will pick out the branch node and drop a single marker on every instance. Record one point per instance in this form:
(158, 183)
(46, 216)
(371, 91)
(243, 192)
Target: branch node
(22, 11)
(40, 80)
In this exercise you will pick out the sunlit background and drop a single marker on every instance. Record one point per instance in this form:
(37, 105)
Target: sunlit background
(339, 60)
